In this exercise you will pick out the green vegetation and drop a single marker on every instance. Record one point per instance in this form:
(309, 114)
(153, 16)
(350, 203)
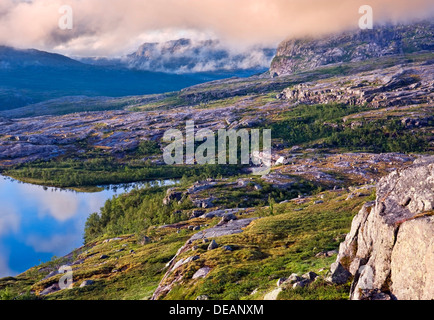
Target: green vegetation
(147, 147)
(133, 213)
(274, 247)
(380, 136)
(139, 209)
(250, 196)
(285, 238)
(6, 294)
(270, 248)
(104, 171)
(308, 124)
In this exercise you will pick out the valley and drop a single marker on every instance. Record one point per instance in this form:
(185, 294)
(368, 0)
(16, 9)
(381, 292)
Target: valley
(344, 131)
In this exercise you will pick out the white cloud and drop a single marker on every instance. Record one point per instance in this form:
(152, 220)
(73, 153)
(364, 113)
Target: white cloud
(9, 221)
(57, 244)
(5, 270)
(111, 27)
(60, 205)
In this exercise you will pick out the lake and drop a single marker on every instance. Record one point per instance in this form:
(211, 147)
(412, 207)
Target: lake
(37, 223)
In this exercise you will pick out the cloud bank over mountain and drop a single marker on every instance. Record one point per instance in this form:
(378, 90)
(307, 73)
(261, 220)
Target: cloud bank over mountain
(118, 27)
(191, 56)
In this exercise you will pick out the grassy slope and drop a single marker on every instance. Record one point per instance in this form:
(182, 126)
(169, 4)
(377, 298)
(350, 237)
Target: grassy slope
(272, 247)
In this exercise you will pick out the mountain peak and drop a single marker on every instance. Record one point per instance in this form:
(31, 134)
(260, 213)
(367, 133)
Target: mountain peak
(358, 45)
(12, 57)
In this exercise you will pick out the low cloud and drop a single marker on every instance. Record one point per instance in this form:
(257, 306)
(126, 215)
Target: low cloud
(186, 56)
(117, 27)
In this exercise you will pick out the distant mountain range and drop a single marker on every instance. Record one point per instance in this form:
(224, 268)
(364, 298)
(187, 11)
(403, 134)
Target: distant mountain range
(32, 76)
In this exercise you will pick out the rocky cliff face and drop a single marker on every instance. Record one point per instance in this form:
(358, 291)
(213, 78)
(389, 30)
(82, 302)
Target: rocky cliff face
(390, 248)
(399, 86)
(306, 54)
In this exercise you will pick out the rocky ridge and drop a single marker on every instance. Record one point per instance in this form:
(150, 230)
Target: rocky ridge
(389, 250)
(229, 225)
(305, 54)
(408, 87)
(402, 86)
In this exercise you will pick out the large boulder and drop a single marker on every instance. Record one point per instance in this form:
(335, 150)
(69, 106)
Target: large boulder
(415, 244)
(390, 250)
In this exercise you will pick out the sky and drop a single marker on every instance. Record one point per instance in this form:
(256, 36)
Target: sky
(117, 27)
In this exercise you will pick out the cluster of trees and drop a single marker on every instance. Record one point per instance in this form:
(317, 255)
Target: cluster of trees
(133, 213)
(142, 208)
(379, 136)
(103, 171)
(309, 123)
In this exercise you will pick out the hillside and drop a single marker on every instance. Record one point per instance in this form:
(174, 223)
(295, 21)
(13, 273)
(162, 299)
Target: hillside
(31, 77)
(283, 251)
(345, 133)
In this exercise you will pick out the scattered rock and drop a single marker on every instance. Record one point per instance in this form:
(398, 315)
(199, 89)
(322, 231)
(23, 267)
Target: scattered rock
(196, 213)
(201, 273)
(228, 217)
(145, 240)
(113, 239)
(326, 254)
(293, 278)
(374, 295)
(51, 289)
(87, 283)
(213, 245)
(281, 281)
(202, 298)
(190, 259)
(273, 294)
(51, 274)
(338, 274)
(219, 213)
(232, 227)
(301, 284)
(310, 276)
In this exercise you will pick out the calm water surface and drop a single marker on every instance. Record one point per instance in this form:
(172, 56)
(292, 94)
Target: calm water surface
(37, 223)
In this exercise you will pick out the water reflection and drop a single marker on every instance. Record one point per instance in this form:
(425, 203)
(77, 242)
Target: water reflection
(37, 223)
